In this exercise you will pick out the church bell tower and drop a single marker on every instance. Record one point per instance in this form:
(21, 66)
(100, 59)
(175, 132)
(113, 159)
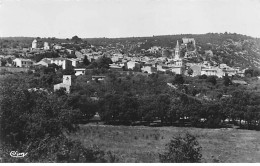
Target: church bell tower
(177, 51)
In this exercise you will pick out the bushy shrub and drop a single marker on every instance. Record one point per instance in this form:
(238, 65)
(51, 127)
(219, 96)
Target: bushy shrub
(182, 149)
(203, 76)
(178, 79)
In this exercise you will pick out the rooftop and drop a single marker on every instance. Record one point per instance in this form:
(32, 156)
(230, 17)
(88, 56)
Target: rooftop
(22, 59)
(239, 82)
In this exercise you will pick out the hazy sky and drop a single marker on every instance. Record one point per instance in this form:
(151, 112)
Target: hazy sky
(127, 18)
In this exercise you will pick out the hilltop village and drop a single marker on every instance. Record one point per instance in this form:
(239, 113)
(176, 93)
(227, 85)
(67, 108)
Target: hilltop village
(169, 60)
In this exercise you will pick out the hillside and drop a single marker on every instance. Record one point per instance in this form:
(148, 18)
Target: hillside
(233, 49)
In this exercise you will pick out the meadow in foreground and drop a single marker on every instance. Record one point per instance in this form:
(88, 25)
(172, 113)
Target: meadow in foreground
(143, 144)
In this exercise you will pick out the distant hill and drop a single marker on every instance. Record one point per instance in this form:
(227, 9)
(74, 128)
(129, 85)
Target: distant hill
(13, 42)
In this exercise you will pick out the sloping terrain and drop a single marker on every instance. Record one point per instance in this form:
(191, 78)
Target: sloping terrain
(230, 48)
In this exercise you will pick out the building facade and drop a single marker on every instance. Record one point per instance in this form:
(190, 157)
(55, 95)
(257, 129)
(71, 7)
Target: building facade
(46, 46)
(63, 62)
(80, 71)
(34, 44)
(19, 62)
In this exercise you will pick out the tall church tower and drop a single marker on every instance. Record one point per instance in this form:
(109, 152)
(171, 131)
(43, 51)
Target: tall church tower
(178, 63)
(177, 51)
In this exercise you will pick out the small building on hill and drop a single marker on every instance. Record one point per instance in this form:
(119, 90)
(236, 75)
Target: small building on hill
(209, 71)
(20, 62)
(149, 69)
(66, 83)
(80, 71)
(63, 62)
(132, 65)
(115, 67)
(74, 62)
(46, 46)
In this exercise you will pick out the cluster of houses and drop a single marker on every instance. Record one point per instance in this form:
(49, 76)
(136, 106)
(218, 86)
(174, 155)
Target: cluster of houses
(46, 46)
(221, 70)
(175, 64)
(146, 64)
(139, 63)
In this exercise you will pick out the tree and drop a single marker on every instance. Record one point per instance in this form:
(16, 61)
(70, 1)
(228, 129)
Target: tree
(76, 39)
(212, 79)
(227, 81)
(40, 56)
(69, 71)
(162, 106)
(86, 61)
(190, 71)
(249, 72)
(71, 55)
(3, 62)
(178, 79)
(256, 72)
(212, 114)
(147, 109)
(204, 76)
(182, 149)
(169, 72)
(103, 62)
(136, 69)
(122, 108)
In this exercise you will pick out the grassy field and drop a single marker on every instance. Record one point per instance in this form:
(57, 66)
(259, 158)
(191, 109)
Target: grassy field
(142, 144)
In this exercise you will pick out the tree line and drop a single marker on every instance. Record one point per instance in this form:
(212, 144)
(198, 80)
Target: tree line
(140, 98)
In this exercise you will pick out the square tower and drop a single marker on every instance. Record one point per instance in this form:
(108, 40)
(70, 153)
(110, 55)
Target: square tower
(67, 79)
(34, 44)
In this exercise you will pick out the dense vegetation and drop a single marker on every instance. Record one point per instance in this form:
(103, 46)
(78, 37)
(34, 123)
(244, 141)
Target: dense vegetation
(38, 122)
(201, 102)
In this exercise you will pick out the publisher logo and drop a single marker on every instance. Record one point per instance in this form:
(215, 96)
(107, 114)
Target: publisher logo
(16, 154)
